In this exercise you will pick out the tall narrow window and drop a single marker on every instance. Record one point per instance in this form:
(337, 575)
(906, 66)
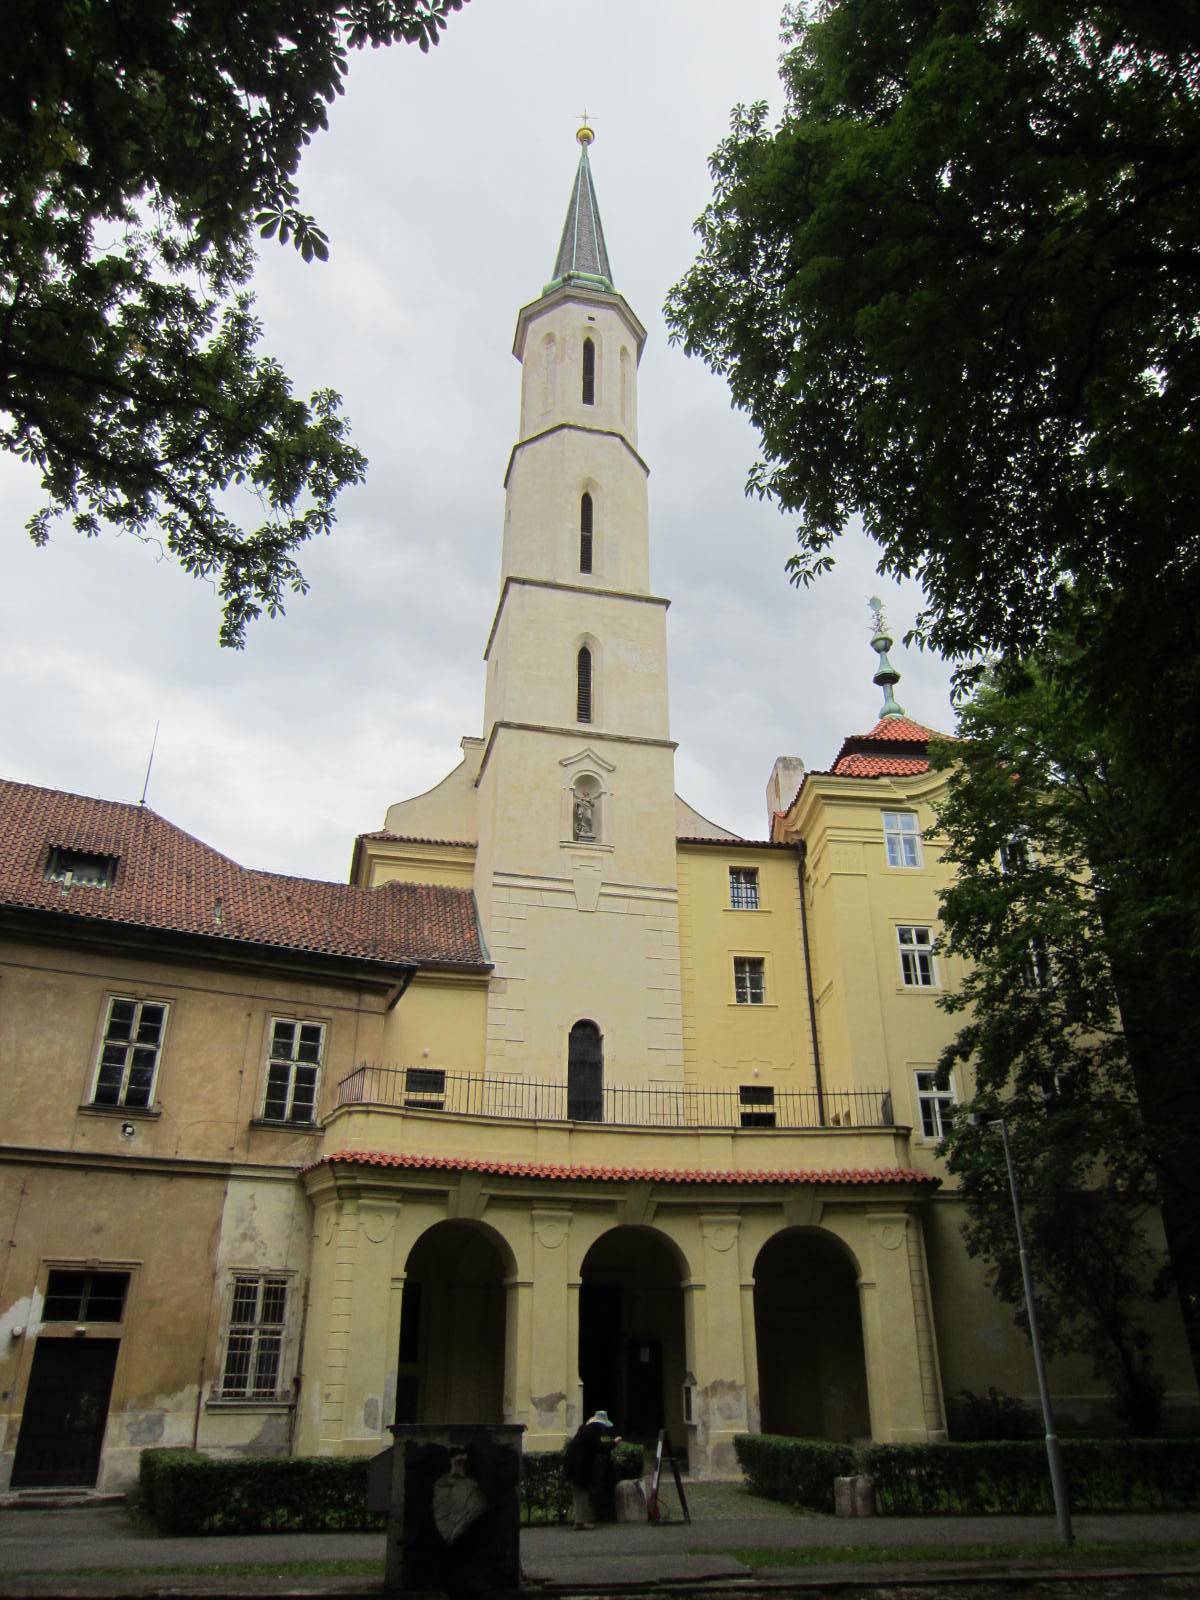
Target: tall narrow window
(589, 373)
(583, 685)
(585, 1073)
(129, 1053)
(293, 1070)
(255, 1340)
(585, 533)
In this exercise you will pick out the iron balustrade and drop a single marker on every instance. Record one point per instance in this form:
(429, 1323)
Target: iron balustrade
(644, 1106)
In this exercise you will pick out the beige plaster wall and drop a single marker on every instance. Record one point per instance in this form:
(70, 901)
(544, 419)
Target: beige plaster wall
(447, 811)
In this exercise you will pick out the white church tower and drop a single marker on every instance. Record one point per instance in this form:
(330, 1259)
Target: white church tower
(575, 866)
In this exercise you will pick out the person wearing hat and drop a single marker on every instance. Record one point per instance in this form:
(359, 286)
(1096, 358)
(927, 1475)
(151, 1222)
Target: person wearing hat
(591, 1469)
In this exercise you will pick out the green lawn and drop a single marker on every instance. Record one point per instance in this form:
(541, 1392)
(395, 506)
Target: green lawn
(758, 1557)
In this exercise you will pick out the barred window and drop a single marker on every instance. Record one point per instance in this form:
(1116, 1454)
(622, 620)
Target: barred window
(756, 1106)
(254, 1348)
(933, 1105)
(902, 838)
(129, 1053)
(743, 888)
(293, 1070)
(916, 957)
(585, 533)
(749, 980)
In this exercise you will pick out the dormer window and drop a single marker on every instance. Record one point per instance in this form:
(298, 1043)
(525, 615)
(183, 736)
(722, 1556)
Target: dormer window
(80, 866)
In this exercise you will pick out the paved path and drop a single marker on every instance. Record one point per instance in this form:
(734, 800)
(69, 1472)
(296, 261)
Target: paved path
(40, 1550)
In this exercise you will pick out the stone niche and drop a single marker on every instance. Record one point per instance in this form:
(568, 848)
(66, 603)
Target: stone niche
(454, 1508)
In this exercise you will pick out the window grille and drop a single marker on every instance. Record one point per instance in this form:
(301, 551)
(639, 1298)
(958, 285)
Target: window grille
(589, 373)
(293, 1070)
(254, 1350)
(743, 888)
(583, 685)
(749, 980)
(129, 1053)
(902, 838)
(585, 533)
(425, 1088)
(916, 957)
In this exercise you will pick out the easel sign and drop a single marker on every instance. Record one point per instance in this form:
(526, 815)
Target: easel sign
(655, 1512)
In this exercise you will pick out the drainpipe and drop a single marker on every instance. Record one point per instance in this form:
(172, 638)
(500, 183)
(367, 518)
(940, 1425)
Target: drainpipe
(812, 1007)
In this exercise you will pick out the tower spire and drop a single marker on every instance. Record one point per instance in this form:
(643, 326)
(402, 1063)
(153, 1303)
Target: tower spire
(887, 675)
(582, 254)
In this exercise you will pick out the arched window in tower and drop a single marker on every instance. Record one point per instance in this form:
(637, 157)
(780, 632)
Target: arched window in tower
(585, 533)
(585, 1073)
(624, 384)
(583, 685)
(589, 373)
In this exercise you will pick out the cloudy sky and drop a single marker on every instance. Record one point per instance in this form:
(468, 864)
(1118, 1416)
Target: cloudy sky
(443, 184)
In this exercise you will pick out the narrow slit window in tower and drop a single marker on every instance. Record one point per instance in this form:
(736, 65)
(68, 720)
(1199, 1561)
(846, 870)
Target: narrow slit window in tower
(583, 685)
(589, 373)
(585, 533)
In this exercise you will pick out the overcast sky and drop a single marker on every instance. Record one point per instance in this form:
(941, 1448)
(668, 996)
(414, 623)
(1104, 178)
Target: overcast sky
(443, 183)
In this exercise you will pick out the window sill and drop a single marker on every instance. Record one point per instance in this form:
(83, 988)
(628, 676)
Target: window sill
(746, 911)
(126, 1113)
(919, 988)
(226, 1402)
(585, 844)
(753, 1005)
(283, 1125)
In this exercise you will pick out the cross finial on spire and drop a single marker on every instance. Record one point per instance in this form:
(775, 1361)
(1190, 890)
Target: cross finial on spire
(585, 133)
(887, 675)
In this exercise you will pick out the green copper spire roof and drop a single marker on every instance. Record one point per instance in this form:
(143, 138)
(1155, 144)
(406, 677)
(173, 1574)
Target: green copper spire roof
(887, 674)
(582, 256)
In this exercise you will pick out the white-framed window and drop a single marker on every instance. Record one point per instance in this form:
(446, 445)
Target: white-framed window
(294, 1070)
(934, 1105)
(254, 1341)
(129, 1053)
(917, 970)
(743, 888)
(902, 838)
(750, 980)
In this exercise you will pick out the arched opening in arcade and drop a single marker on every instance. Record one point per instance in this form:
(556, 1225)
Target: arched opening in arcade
(812, 1374)
(452, 1326)
(632, 1341)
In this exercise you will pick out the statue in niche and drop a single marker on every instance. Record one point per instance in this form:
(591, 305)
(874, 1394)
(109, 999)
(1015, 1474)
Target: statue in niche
(584, 813)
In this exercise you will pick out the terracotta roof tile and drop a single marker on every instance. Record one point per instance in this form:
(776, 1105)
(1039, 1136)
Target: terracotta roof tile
(166, 879)
(860, 766)
(541, 1169)
(416, 838)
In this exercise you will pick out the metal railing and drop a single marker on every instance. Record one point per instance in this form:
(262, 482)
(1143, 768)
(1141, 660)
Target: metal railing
(468, 1095)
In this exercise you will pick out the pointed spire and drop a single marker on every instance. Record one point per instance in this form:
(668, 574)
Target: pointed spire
(582, 255)
(887, 675)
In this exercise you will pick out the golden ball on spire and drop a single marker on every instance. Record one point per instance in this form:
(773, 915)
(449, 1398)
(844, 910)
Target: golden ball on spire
(585, 135)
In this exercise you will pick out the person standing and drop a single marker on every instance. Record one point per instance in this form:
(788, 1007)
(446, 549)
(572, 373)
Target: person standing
(591, 1468)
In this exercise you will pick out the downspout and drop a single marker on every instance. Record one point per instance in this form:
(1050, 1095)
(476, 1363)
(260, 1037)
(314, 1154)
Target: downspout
(812, 1007)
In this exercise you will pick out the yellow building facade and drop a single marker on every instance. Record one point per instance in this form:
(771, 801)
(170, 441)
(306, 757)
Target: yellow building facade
(568, 1099)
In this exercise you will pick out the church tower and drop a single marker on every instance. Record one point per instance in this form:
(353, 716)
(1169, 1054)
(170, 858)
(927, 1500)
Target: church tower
(575, 863)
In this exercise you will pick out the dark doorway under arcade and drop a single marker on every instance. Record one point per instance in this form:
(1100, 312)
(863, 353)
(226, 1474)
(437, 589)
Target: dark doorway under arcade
(632, 1350)
(812, 1375)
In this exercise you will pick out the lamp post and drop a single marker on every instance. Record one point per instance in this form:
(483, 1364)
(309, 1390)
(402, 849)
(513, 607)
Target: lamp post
(1058, 1478)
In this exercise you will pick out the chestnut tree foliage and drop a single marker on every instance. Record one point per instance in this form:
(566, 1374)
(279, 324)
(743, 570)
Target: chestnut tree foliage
(1046, 836)
(143, 146)
(956, 288)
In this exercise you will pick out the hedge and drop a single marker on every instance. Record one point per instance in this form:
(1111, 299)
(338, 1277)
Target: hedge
(187, 1492)
(979, 1478)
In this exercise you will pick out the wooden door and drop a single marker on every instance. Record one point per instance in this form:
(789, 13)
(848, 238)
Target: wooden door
(66, 1411)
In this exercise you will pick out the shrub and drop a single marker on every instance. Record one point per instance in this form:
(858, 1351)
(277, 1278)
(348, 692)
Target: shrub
(978, 1478)
(990, 1416)
(187, 1492)
(799, 1472)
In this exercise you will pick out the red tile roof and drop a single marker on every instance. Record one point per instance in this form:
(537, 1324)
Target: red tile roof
(168, 880)
(416, 838)
(874, 754)
(859, 766)
(541, 1169)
